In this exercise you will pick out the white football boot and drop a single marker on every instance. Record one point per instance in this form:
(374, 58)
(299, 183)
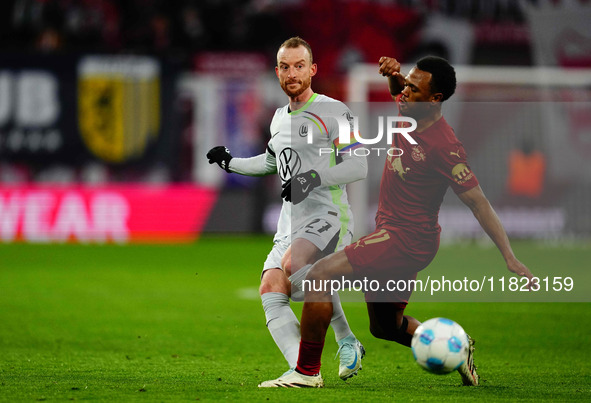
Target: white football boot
(468, 370)
(294, 379)
(351, 352)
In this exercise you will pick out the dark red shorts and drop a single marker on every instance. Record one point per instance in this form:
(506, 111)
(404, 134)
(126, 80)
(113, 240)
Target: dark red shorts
(389, 256)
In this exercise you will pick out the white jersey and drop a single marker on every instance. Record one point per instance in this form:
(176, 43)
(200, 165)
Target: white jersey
(307, 139)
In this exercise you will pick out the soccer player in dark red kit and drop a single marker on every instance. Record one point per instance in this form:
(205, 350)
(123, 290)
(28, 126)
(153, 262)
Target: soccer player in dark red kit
(406, 238)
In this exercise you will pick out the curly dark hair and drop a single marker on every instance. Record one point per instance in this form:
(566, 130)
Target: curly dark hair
(443, 75)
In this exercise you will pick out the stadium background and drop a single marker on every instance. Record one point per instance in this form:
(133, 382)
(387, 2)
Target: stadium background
(107, 108)
(107, 93)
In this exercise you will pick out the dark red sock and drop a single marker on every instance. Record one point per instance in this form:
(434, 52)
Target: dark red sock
(309, 357)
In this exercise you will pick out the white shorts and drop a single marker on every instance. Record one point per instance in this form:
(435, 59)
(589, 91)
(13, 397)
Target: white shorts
(274, 257)
(324, 232)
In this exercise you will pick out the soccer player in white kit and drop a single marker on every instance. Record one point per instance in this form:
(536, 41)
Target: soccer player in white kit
(315, 218)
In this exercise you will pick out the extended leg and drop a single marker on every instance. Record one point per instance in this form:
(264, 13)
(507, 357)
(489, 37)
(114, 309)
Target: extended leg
(316, 316)
(318, 310)
(281, 321)
(351, 351)
(387, 321)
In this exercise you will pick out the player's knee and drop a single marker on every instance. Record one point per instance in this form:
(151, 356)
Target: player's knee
(318, 273)
(292, 264)
(327, 268)
(274, 280)
(265, 288)
(286, 264)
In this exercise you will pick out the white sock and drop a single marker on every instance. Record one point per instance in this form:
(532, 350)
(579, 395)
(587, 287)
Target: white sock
(296, 280)
(283, 325)
(339, 321)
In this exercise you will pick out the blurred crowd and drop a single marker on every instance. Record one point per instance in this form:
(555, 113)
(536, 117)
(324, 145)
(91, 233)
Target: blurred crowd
(180, 28)
(340, 31)
(143, 26)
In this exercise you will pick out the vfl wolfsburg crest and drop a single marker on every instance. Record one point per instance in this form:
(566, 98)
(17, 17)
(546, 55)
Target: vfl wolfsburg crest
(118, 105)
(303, 132)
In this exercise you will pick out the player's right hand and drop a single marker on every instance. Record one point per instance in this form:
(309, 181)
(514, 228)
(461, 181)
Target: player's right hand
(388, 67)
(221, 156)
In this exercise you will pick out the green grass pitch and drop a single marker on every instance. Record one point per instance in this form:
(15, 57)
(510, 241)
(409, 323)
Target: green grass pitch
(184, 322)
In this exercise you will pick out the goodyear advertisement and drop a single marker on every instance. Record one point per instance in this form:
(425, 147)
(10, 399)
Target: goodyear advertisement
(92, 110)
(116, 213)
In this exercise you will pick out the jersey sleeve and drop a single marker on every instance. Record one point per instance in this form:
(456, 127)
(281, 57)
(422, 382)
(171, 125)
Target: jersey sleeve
(351, 169)
(260, 165)
(343, 121)
(452, 163)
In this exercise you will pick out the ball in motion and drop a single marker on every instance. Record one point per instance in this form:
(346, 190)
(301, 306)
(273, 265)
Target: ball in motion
(440, 345)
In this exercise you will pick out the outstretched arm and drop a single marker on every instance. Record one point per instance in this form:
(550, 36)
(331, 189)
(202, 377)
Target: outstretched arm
(489, 221)
(260, 165)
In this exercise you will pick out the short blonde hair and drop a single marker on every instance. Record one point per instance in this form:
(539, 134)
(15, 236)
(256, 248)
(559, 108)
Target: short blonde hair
(296, 42)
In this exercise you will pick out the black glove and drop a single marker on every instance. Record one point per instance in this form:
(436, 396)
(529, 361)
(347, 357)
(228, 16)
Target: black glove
(298, 187)
(221, 156)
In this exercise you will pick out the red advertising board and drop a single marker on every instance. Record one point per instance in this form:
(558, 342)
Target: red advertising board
(99, 214)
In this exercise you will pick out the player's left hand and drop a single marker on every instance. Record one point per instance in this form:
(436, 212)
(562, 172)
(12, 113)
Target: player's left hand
(515, 266)
(299, 187)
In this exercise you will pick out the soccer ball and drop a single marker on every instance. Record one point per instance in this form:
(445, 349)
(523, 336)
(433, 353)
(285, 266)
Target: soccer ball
(440, 345)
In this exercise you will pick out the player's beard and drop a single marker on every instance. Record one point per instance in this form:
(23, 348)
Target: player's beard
(304, 85)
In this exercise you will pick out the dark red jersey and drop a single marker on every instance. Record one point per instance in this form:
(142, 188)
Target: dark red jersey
(413, 184)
